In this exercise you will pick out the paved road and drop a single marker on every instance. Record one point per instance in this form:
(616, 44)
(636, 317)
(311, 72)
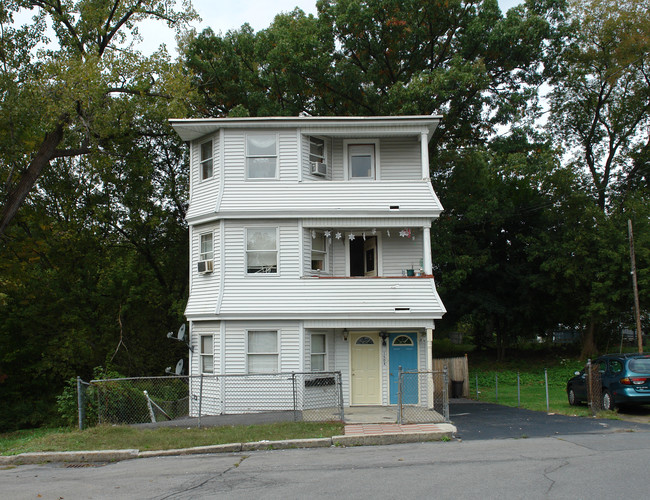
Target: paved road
(575, 466)
(476, 420)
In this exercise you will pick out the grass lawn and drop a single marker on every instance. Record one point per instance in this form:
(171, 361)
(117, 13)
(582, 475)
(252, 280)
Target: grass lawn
(532, 387)
(125, 437)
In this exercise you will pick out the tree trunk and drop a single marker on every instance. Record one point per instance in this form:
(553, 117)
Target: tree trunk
(17, 196)
(589, 340)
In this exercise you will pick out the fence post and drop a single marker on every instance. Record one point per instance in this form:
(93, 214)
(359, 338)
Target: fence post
(518, 392)
(152, 416)
(496, 387)
(400, 382)
(293, 388)
(590, 394)
(200, 399)
(340, 379)
(80, 404)
(476, 386)
(99, 404)
(548, 409)
(445, 393)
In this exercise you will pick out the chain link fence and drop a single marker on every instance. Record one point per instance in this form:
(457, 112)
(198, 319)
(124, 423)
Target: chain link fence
(540, 389)
(422, 396)
(311, 396)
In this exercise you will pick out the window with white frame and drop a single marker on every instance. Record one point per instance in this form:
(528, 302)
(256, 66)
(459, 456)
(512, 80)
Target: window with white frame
(206, 160)
(361, 161)
(318, 352)
(262, 351)
(207, 354)
(316, 150)
(261, 156)
(319, 258)
(207, 247)
(261, 250)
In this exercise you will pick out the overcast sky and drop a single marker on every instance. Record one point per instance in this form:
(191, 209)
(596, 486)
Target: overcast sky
(223, 15)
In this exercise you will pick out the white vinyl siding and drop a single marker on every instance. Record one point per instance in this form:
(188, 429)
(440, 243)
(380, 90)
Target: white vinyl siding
(204, 192)
(342, 364)
(386, 298)
(401, 159)
(204, 288)
(395, 199)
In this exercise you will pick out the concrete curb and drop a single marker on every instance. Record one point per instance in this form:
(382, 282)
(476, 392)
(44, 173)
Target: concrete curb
(382, 439)
(69, 456)
(118, 455)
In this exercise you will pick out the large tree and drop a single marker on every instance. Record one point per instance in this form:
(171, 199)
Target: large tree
(600, 98)
(92, 267)
(463, 59)
(62, 100)
(599, 116)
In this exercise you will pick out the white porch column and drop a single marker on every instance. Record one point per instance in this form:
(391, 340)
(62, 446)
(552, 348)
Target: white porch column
(424, 146)
(426, 259)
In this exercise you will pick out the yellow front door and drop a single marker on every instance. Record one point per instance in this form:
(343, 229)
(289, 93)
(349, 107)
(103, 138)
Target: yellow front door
(364, 362)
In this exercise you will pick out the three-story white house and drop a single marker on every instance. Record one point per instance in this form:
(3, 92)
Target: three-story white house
(310, 249)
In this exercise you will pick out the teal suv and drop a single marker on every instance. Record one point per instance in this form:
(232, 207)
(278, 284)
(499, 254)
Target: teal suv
(625, 380)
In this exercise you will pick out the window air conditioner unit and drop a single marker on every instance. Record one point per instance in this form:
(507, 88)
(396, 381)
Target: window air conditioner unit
(204, 266)
(319, 168)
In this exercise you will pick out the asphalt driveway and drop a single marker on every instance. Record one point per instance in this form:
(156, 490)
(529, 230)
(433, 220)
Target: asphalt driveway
(476, 420)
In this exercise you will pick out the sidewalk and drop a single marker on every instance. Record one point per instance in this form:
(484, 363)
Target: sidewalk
(355, 435)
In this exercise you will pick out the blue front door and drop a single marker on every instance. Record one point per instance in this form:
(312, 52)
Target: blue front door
(403, 351)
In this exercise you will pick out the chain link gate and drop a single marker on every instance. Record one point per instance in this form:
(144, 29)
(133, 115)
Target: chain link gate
(422, 396)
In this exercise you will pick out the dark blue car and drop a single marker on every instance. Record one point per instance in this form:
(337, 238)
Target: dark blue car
(625, 381)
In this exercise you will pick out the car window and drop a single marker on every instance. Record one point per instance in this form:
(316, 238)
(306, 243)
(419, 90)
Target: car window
(639, 365)
(615, 365)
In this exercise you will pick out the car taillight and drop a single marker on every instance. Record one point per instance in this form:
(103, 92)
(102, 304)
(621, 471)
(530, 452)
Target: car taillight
(633, 380)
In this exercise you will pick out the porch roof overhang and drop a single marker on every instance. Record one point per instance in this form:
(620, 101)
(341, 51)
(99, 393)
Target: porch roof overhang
(195, 128)
(337, 298)
(327, 199)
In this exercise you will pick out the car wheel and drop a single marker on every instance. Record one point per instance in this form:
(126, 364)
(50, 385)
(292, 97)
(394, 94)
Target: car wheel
(571, 395)
(608, 401)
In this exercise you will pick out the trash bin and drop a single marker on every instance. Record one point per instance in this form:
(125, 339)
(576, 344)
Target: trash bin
(457, 388)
